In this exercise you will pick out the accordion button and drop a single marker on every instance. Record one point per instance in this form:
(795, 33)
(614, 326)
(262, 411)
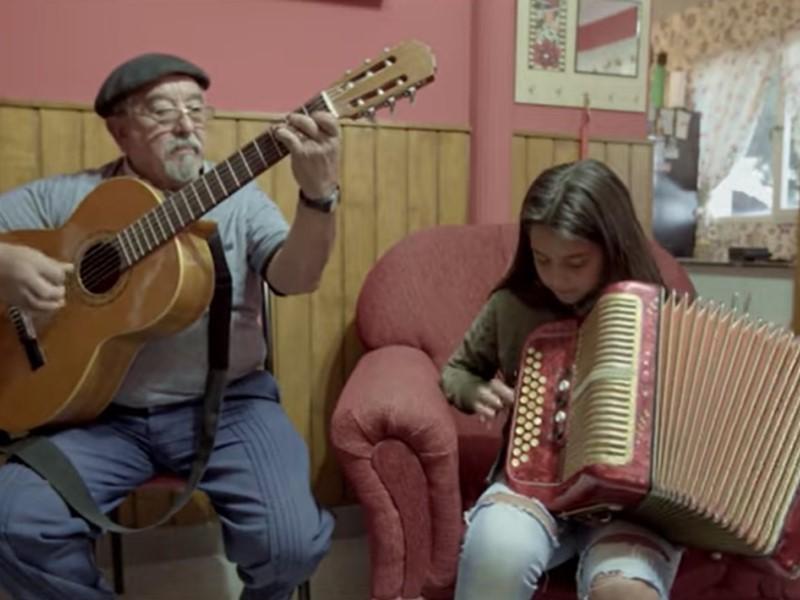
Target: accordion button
(560, 416)
(514, 462)
(537, 364)
(526, 447)
(537, 421)
(525, 458)
(516, 452)
(519, 431)
(537, 431)
(534, 442)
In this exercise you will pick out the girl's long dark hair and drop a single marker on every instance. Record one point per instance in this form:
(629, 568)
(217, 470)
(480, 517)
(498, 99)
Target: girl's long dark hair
(583, 199)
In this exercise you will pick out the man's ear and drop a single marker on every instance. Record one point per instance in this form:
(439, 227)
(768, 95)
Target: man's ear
(118, 129)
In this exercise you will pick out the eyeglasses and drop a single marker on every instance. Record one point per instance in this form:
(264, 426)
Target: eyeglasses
(199, 115)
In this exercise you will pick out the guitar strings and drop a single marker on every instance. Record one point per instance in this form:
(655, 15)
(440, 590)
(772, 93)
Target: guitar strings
(108, 264)
(112, 263)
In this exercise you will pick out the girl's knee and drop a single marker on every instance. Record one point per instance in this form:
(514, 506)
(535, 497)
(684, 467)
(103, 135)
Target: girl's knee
(507, 539)
(613, 586)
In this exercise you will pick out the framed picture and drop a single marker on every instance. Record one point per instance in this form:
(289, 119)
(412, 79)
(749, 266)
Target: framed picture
(570, 52)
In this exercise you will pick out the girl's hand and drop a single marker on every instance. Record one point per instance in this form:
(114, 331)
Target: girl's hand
(491, 398)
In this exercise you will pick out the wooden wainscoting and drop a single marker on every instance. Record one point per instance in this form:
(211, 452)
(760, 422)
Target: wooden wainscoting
(395, 179)
(632, 160)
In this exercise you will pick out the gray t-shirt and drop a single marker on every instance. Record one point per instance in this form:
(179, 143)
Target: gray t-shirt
(173, 369)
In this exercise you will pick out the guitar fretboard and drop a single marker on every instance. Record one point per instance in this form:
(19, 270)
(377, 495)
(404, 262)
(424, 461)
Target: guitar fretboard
(180, 209)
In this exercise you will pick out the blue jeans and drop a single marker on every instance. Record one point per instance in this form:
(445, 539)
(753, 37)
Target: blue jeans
(508, 546)
(257, 479)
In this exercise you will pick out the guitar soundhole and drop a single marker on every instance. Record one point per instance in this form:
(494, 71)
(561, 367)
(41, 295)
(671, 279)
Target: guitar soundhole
(100, 268)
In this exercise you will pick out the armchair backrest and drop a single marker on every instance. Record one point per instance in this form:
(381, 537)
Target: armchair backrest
(426, 290)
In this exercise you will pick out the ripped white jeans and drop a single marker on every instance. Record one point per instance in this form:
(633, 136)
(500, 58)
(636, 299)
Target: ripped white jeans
(508, 546)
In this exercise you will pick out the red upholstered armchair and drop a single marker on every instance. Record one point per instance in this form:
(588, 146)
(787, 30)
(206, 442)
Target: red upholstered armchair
(415, 462)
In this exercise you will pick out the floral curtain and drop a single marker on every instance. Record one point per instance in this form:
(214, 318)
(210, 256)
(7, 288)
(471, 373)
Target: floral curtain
(731, 48)
(728, 90)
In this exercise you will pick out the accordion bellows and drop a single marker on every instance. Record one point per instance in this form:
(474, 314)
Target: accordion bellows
(682, 414)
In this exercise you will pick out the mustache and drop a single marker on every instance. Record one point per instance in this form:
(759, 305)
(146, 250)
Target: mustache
(183, 143)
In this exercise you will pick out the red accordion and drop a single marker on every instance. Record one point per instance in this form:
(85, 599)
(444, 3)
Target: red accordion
(681, 413)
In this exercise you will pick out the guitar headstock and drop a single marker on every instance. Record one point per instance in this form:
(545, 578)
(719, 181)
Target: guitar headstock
(396, 73)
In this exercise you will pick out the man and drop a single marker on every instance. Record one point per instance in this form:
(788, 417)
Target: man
(258, 474)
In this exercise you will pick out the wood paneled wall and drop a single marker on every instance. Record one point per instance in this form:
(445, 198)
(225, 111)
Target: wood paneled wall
(395, 179)
(632, 160)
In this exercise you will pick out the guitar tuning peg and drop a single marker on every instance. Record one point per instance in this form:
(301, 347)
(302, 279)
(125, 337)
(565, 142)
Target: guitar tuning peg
(371, 114)
(411, 93)
(392, 102)
(386, 49)
(348, 72)
(367, 61)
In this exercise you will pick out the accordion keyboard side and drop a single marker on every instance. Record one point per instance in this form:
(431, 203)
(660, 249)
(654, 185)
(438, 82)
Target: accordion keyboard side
(581, 429)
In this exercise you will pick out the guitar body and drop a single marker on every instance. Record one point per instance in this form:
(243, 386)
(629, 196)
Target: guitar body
(89, 345)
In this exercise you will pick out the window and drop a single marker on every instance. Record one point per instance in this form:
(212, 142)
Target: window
(763, 184)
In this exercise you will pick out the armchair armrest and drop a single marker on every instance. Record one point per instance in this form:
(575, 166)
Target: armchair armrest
(396, 440)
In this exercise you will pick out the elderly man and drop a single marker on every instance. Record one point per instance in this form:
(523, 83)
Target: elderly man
(258, 473)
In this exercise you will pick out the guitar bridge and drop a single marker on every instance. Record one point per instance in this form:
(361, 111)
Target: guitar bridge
(26, 334)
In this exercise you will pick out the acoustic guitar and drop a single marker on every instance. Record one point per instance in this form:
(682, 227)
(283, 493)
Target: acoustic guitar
(144, 269)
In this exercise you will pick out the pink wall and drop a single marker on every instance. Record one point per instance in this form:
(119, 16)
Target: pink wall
(262, 55)
(270, 55)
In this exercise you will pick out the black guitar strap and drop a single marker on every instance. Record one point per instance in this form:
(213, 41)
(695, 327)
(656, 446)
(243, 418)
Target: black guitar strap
(44, 457)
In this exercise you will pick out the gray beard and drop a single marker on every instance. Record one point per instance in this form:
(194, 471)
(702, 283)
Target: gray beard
(184, 169)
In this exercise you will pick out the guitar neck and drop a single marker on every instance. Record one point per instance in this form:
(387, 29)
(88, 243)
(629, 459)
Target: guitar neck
(182, 208)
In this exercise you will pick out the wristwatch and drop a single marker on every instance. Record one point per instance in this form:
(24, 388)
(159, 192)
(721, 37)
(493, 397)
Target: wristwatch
(326, 204)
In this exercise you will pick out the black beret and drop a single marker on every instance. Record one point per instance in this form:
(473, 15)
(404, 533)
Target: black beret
(138, 72)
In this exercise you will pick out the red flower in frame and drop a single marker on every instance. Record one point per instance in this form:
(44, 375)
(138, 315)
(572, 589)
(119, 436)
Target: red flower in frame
(546, 53)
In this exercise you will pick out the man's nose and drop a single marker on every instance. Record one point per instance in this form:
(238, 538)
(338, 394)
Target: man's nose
(184, 123)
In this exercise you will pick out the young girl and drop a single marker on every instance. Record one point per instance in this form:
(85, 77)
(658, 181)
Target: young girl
(578, 233)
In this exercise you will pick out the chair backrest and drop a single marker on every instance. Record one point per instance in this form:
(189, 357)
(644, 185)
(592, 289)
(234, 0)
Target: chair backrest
(426, 290)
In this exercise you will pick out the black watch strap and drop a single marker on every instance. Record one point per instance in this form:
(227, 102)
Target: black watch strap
(326, 204)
